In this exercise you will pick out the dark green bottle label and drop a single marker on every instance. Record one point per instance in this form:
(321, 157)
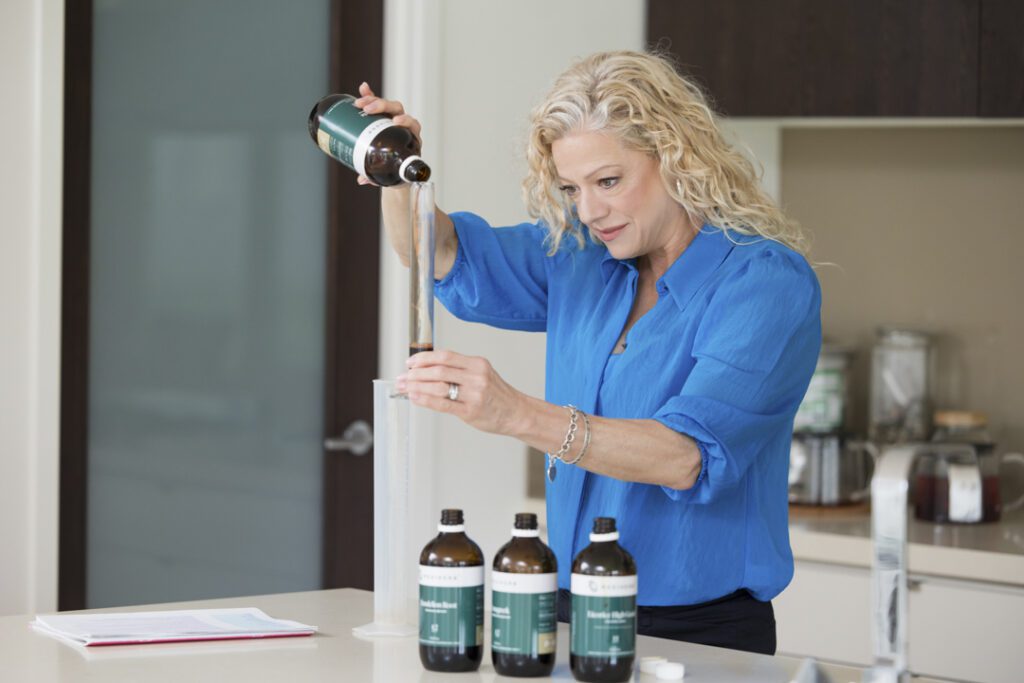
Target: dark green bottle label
(451, 606)
(345, 132)
(603, 616)
(523, 613)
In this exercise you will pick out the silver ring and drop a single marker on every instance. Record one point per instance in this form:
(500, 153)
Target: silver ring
(453, 391)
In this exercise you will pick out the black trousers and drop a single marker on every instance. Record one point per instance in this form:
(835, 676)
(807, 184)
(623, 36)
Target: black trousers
(736, 621)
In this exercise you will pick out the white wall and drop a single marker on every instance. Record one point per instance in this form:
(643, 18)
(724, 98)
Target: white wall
(31, 122)
(471, 70)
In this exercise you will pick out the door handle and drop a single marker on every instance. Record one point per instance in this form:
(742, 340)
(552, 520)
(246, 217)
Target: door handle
(357, 439)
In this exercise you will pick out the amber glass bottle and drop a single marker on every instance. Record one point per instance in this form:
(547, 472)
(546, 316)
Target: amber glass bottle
(451, 598)
(603, 627)
(524, 591)
(370, 144)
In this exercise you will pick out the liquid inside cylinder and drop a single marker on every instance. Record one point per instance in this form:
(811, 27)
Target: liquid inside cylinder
(421, 267)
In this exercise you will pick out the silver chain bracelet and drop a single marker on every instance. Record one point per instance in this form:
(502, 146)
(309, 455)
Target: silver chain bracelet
(570, 435)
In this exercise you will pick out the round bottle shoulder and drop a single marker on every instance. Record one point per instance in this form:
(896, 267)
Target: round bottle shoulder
(525, 556)
(397, 138)
(604, 559)
(452, 550)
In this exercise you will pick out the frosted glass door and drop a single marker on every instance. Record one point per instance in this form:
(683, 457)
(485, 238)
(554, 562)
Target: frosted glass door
(206, 341)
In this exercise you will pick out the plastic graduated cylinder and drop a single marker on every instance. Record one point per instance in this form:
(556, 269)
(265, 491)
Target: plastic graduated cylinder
(402, 512)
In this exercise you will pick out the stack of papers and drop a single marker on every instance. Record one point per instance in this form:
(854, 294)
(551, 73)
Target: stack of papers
(168, 627)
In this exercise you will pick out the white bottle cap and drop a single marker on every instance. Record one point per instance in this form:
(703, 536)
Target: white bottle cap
(525, 533)
(649, 665)
(670, 671)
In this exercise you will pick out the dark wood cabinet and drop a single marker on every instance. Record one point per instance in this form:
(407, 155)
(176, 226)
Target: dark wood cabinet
(1001, 72)
(849, 57)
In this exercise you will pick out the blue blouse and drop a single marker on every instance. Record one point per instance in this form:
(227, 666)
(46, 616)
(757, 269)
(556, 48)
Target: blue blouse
(724, 357)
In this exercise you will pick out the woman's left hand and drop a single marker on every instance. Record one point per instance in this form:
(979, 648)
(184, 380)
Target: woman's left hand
(484, 400)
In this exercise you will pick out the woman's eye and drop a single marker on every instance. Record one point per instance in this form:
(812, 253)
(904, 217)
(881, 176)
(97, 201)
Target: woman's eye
(608, 182)
(568, 189)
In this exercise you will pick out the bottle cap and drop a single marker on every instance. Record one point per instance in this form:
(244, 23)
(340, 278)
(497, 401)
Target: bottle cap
(649, 665)
(670, 671)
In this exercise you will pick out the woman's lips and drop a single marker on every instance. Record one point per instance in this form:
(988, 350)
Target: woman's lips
(610, 234)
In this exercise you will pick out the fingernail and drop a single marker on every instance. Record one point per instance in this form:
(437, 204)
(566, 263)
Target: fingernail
(402, 377)
(409, 362)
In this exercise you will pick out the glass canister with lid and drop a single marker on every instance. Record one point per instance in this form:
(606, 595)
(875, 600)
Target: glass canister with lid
(901, 378)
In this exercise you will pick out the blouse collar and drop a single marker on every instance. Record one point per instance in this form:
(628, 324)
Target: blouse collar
(690, 271)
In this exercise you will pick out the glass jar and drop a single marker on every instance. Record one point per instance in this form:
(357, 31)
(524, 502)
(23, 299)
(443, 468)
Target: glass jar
(901, 378)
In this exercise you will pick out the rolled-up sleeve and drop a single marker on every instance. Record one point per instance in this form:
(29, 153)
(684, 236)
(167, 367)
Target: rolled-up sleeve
(754, 351)
(500, 275)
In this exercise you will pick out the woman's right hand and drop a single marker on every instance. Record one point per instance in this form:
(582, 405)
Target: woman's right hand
(371, 104)
(394, 200)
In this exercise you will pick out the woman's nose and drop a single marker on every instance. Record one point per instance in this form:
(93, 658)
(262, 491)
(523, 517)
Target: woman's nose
(590, 208)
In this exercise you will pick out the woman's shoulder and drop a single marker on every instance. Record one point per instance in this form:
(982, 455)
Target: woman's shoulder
(765, 274)
(758, 257)
(763, 294)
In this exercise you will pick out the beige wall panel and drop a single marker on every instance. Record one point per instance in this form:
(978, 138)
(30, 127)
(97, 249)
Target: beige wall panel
(926, 226)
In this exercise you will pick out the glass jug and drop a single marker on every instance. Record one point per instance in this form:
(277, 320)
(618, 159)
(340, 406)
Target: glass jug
(957, 481)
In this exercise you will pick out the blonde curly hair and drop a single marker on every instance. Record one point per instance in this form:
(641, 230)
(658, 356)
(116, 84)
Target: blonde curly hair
(641, 99)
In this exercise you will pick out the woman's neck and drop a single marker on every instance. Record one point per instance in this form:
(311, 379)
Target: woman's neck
(656, 263)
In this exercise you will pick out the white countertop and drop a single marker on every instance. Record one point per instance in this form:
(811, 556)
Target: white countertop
(334, 654)
(991, 552)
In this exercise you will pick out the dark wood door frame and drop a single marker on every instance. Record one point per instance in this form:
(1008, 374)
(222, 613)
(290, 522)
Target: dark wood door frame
(357, 49)
(74, 348)
(356, 54)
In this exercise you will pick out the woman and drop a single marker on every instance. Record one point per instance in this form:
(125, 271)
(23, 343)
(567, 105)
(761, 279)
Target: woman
(682, 326)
